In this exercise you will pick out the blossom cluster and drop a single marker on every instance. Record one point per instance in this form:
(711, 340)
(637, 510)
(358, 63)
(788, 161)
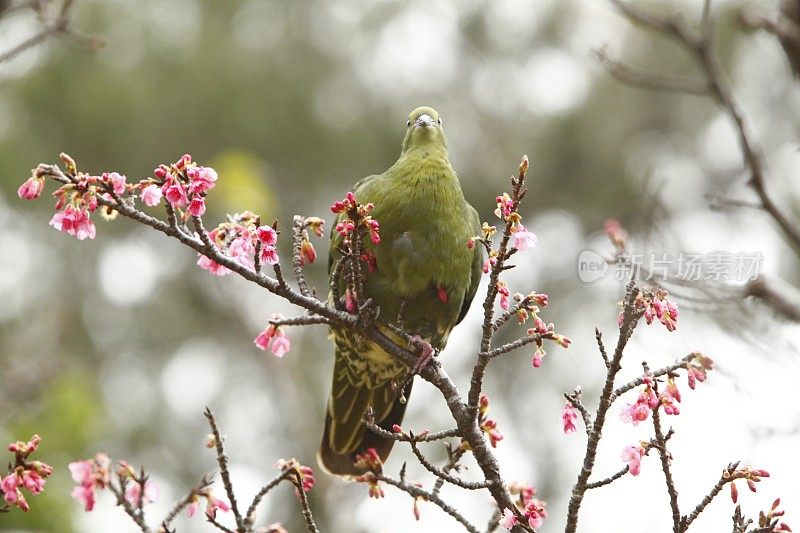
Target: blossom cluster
(772, 516)
(184, 184)
(305, 474)
(530, 508)
(528, 307)
(632, 456)
(95, 474)
(90, 475)
(486, 424)
(23, 474)
(649, 399)
(370, 462)
(243, 239)
(655, 305)
(749, 474)
(356, 215)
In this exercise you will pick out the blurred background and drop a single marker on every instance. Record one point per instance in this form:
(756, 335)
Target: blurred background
(117, 344)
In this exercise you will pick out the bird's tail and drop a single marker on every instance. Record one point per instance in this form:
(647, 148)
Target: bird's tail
(345, 435)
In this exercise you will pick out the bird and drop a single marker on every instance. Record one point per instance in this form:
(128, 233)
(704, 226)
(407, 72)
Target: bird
(424, 268)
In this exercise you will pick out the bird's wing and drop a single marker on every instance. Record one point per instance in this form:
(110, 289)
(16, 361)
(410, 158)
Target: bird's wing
(477, 266)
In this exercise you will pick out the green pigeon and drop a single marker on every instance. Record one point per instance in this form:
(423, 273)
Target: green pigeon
(423, 265)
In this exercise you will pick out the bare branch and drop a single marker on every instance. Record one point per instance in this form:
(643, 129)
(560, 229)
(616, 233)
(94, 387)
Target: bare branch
(659, 82)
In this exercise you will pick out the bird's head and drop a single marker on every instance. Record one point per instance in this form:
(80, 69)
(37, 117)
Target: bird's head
(424, 130)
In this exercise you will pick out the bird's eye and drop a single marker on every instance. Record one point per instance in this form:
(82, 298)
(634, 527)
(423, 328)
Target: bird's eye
(440, 121)
(408, 123)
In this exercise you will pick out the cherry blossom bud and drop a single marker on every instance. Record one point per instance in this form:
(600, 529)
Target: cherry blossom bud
(316, 224)
(31, 189)
(568, 417)
(69, 163)
(523, 166)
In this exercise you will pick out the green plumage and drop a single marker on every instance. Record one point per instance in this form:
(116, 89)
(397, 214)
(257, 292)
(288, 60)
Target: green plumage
(422, 260)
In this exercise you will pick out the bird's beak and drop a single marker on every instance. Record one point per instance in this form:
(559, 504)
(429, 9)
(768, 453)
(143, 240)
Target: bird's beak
(424, 121)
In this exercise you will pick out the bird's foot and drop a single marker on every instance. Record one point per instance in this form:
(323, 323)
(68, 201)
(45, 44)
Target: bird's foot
(426, 353)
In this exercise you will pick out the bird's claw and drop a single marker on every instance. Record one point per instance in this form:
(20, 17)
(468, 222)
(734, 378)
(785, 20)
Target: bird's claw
(426, 353)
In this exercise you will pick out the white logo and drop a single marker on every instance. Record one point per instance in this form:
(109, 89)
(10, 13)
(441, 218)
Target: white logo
(591, 266)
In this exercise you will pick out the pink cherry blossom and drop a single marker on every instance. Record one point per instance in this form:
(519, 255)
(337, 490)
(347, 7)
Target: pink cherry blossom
(151, 195)
(31, 189)
(374, 229)
(267, 235)
(134, 493)
(269, 255)
(85, 495)
(633, 456)
(197, 207)
(212, 266)
(568, 417)
(213, 503)
(539, 326)
(523, 239)
(81, 471)
(280, 344)
(193, 507)
(535, 513)
(635, 413)
(174, 192)
(264, 338)
(537, 358)
(33, 481)
(9, 483)
(505, 206)
(509, 520)
(242, 249)
(117, 181)
(502, 290)
(201, 179)
(670, 397)
(75, 222)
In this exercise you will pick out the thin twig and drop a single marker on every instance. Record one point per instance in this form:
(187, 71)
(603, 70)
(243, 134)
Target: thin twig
(274, 482)
(669, 369)
(134, 513)
(441, 474)
(305, 320)
(609, 479)
(417, 492)
(454, 456)
(298, 228)
(222, 461)
(298, 483)
(408, 437)
(184, 502)
(663, 454)
(686, 521)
